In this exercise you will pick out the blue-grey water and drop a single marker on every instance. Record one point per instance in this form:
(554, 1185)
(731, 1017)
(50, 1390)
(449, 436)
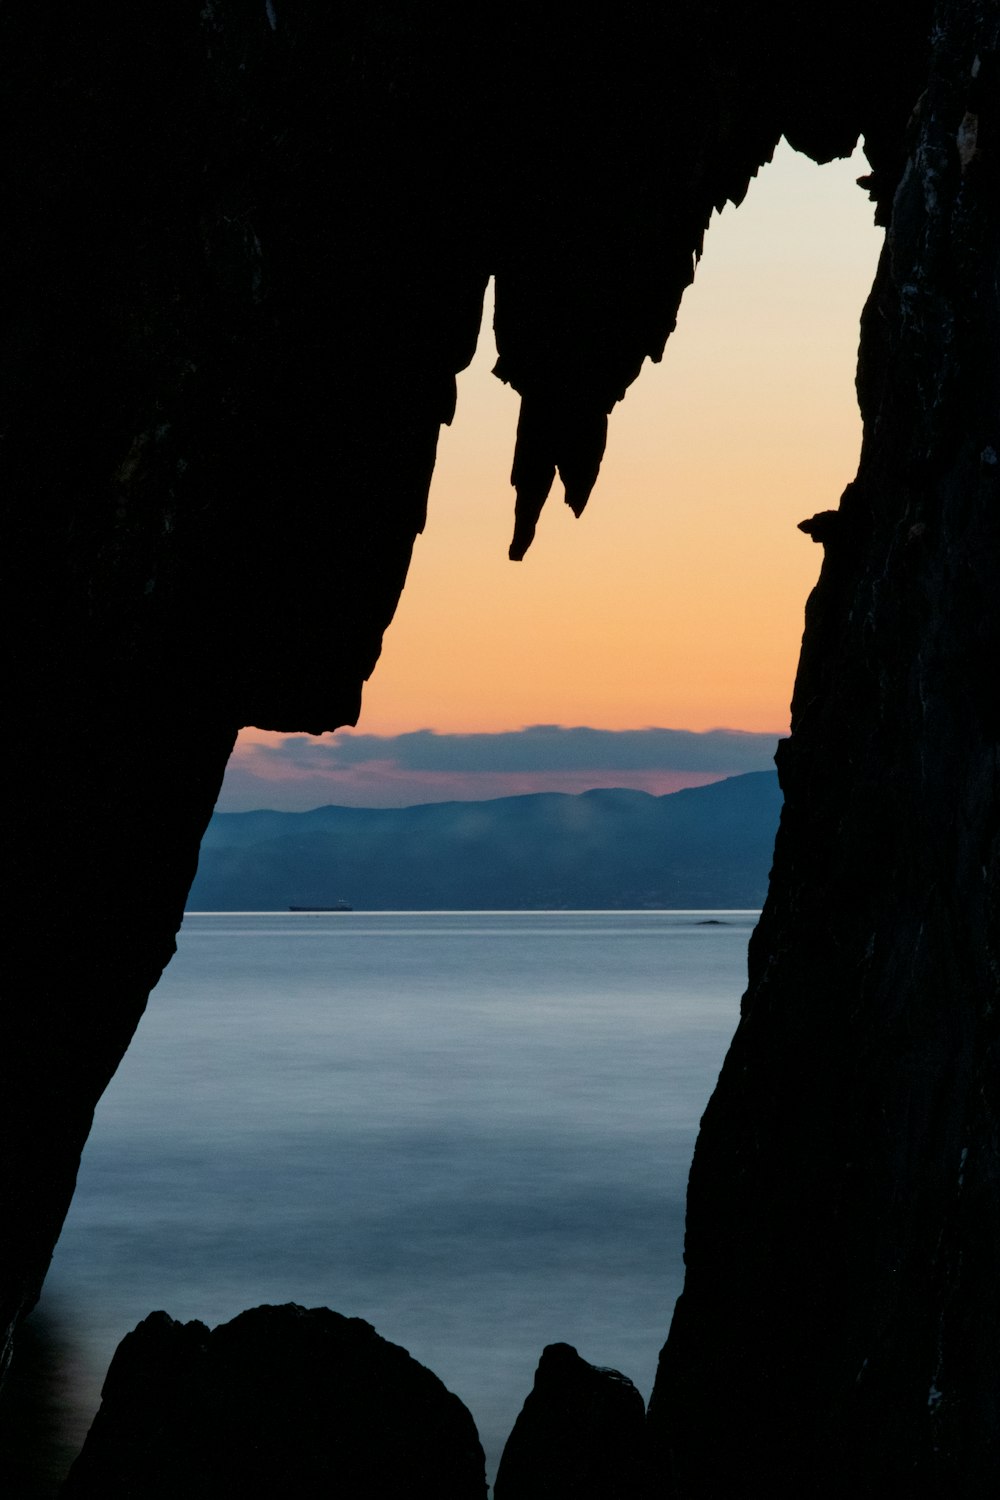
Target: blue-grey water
(471, 1129)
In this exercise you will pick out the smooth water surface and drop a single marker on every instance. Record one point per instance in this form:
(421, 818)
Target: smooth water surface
(471, 1129)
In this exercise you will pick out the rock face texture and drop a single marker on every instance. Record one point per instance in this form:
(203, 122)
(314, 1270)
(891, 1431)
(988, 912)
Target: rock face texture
(581, 1435)
(245, 247)
(840, 1315)
(282, 1401)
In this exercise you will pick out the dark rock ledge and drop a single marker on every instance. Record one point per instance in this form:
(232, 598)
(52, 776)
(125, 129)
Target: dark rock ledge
(581, 1435)
(244, 254)
(280, 1401)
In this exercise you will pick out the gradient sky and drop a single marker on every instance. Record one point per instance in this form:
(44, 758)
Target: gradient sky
(677, 598)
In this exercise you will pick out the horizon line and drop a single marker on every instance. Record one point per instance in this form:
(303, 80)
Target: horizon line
(297, 812)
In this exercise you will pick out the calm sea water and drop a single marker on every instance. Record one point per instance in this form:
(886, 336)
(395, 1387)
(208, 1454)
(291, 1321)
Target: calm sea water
(471, 1129)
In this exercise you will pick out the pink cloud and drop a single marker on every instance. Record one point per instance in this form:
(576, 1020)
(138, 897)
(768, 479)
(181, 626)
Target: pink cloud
(258, 777)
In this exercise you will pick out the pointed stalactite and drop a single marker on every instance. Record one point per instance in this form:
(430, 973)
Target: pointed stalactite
(553, 436)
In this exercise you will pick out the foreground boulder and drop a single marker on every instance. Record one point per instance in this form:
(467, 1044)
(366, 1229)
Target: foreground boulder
(580, 1435)
(282, 1400)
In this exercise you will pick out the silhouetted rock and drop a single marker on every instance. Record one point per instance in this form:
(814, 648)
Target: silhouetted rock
(580, 1435)
(280, 1401)
(245, 251)
(245, 254)
(839, 1329)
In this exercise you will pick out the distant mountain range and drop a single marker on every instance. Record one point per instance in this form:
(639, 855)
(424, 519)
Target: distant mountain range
(707, 847)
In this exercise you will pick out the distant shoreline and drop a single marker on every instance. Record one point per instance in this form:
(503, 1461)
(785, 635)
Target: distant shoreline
(703, 848)
(485, 911)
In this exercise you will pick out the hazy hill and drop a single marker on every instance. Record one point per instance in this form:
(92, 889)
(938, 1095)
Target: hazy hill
(705, 847)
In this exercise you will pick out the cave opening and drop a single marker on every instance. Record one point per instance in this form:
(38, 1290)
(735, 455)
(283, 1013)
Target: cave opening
(748, 424)
(234, 233)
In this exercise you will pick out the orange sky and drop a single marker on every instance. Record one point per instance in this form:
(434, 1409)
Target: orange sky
(677, 599)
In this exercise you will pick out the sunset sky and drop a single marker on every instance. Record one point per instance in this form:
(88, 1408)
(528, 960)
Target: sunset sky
(677, 599)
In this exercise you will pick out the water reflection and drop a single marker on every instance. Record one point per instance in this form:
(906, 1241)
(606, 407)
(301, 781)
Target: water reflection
(41, 1426)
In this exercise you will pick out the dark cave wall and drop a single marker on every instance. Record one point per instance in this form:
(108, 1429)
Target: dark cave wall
(840, 1312)
(231, 334)
(244, 263)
